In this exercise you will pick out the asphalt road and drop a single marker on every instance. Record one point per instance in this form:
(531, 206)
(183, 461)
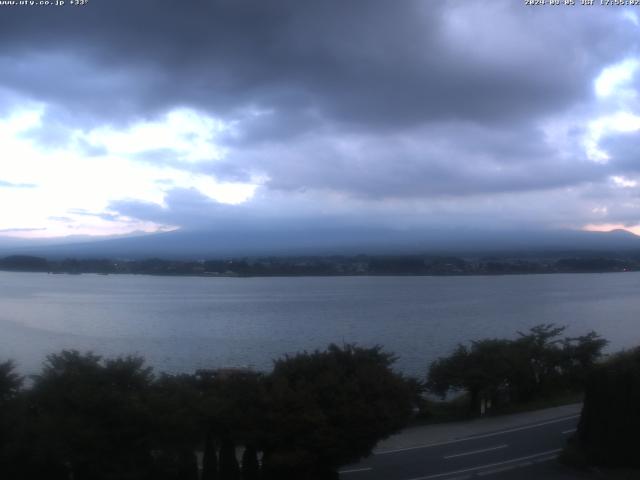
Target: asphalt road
(502, 454)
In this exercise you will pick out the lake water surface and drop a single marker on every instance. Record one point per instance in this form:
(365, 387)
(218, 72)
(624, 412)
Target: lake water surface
(185, 323)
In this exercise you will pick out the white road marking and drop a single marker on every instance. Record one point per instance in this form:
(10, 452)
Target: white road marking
(355, 470)
(489, 465)
(567, 432)
(486, 435)
(476, 451)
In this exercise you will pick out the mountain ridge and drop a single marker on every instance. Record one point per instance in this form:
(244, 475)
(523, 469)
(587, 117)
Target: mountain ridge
(184, 244)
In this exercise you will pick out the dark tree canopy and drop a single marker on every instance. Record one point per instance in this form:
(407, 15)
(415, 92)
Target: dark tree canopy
(610, 421)
(89, 418)
(92, 416)
(481, 370)
(10, 382)
(330, 408)
(535, 364)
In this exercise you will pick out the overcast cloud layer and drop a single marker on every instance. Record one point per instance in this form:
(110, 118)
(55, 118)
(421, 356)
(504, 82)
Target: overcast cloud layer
(122, 116)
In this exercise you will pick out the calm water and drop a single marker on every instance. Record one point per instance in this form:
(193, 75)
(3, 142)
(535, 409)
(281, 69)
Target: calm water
(184, 323)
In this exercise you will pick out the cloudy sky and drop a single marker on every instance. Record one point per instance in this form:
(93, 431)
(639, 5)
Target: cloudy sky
(123, 116)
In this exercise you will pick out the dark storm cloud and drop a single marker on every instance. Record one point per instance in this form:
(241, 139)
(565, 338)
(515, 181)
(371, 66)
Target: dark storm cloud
(459, 159)
(364, 64)
(368, 99)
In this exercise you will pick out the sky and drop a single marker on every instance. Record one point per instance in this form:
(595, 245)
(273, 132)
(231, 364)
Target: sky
(120, 116)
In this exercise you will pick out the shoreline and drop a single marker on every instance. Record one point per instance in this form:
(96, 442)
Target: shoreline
(320, 275)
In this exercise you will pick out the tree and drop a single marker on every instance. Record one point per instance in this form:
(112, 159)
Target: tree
(483, 371)
(535, 364)
(537, 359)
(10, 388)
(229, 468)
(580, 355)
(91, 416)
(233, 412)
(250, 465)
(24, 263)
(10, 382)
(178, 427)
(209, 459)
(330, 408)
(610, 421)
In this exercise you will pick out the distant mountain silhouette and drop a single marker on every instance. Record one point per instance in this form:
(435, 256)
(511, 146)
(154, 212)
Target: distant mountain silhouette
(328, 241)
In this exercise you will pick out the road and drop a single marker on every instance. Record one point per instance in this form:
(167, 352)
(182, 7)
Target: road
(487, 454)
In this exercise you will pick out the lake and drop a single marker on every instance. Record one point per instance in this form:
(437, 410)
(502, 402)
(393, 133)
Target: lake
(185, 323)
